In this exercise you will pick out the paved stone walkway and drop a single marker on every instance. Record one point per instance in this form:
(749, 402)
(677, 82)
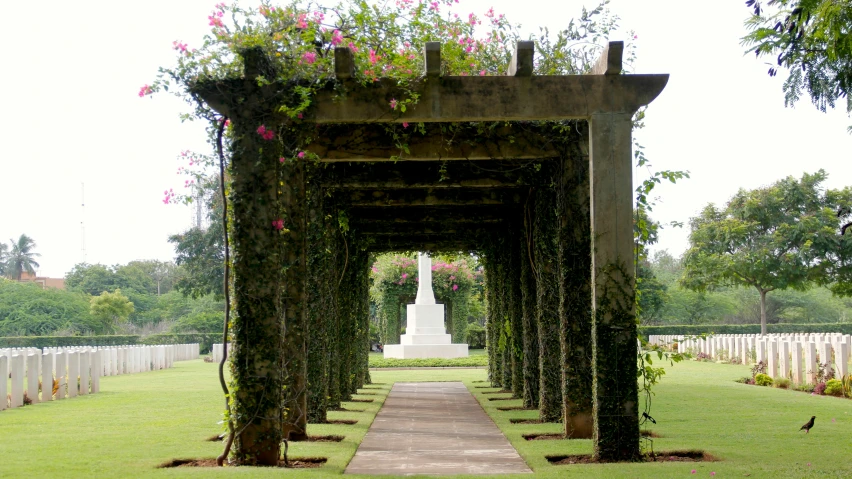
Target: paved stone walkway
(434, 428)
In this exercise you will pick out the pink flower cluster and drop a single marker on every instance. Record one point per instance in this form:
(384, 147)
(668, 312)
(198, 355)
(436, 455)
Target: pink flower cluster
(278, 224)
(145, 90)
(264, 133)
(179, 46)
(169, 196)
(309, 58)
(336, 38)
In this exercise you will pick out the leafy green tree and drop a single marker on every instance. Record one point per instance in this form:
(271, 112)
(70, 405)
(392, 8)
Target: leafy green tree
(112, 309)
(21, 258)
(200, 253)
(809, 38)
(4, 256)
(767, 238)
(27, 309)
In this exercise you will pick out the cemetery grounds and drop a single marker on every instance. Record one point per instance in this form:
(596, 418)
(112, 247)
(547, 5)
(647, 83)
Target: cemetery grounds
(140, 421)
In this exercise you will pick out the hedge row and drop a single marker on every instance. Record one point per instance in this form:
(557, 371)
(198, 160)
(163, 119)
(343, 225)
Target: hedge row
(845, 328)
(206, 340)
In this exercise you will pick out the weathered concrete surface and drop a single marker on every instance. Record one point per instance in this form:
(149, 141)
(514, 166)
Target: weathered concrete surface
(434, 428)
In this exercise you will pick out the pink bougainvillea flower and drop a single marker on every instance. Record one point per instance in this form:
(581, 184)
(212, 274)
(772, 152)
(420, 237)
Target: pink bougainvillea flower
(353, 47)
(278, 224)
(309, 57)
(455, 287)
(405, 124)
(404, 275)
(179, 46)
(336, 38)
(373, 57)
(282, 159)
(264, 133)
(301, 154)
(299, 115)
(301, 21)
(145, 90)
(215, 21)
(482, 73)
(393, 103)
(713, 473)
(693, 471)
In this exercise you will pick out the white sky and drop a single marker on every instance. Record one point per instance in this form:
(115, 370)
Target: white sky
(71, 115)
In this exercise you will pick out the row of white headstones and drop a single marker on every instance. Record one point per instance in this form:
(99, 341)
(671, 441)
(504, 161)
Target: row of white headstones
(78, 369)
(795, 356)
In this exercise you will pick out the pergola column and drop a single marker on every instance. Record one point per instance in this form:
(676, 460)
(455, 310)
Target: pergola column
(257, 353)
(615, 387)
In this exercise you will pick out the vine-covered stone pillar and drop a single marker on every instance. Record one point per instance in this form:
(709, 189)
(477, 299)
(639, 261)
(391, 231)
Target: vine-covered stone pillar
(335, 266)
(320, 275)
(613, 288)
(575, 293)
(528, 317)
(547, 305)
(492, 332)
(294, 298)
(361, 270)
(513, 294)
(260, 252)
(460, 309)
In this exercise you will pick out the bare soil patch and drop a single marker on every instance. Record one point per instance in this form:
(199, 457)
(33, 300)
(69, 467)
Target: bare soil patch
(345, 409)
(294, 463)
(647, 433)
(502, 391)
(342, 421)
(662, 456)
(529, 421)
(218, 438)
(543, 437)
(501, 399)
(359, 400)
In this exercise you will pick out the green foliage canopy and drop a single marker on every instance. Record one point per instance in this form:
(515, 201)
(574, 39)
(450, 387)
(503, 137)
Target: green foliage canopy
(111, 308)
(809, 38)
(770, 238)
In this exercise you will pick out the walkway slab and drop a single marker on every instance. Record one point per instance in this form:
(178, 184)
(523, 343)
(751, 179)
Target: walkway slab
(434, 428)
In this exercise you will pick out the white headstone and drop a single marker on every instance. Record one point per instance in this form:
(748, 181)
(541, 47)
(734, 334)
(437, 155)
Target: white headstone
(85, 364)
(4, 376)
(17, 380)
(73, 373)
(32, 376)
(47, 376)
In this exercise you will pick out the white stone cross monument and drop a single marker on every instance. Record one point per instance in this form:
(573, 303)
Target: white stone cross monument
(425, 335)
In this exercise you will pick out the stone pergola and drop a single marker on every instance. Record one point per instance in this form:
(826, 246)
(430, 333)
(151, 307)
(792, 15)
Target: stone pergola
(551, 213)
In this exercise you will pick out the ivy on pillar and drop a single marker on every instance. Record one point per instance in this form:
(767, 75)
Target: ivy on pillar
(615, 390)
(547, 306)
(513, 293)
(528, 319)
(575, 296)
(318, 302)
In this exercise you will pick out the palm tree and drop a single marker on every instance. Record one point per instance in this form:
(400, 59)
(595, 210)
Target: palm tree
(20, 258)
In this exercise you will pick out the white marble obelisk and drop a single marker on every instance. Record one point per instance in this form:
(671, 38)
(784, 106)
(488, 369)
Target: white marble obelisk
(425, 335)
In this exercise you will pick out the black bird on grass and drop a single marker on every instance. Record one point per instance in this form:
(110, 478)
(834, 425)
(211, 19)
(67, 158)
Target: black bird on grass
(808, 425)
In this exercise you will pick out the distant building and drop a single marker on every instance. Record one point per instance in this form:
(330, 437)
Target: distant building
(45, 282)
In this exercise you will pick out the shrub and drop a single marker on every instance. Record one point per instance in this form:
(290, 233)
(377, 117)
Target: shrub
(782, 383)
(819, 389)
(834, 387)
(806, 388)
(744, 380)
(763, 380)
(475, 336)
(703, 357)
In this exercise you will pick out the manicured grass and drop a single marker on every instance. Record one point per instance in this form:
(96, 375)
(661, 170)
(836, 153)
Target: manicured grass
(476, 358)
(142, 420)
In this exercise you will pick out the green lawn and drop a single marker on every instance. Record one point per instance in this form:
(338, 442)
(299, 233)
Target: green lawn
(141, 420)
(476, 358)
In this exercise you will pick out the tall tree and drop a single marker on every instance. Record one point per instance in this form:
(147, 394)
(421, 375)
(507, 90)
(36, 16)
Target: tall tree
(4, 256)
(809, 38)
(768, 239)
(21, 258)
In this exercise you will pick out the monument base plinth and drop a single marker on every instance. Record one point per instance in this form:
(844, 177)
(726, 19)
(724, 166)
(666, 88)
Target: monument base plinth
(423, 351)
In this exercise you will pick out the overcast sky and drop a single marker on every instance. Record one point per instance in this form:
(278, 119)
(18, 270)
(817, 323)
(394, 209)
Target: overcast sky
(71, 116)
